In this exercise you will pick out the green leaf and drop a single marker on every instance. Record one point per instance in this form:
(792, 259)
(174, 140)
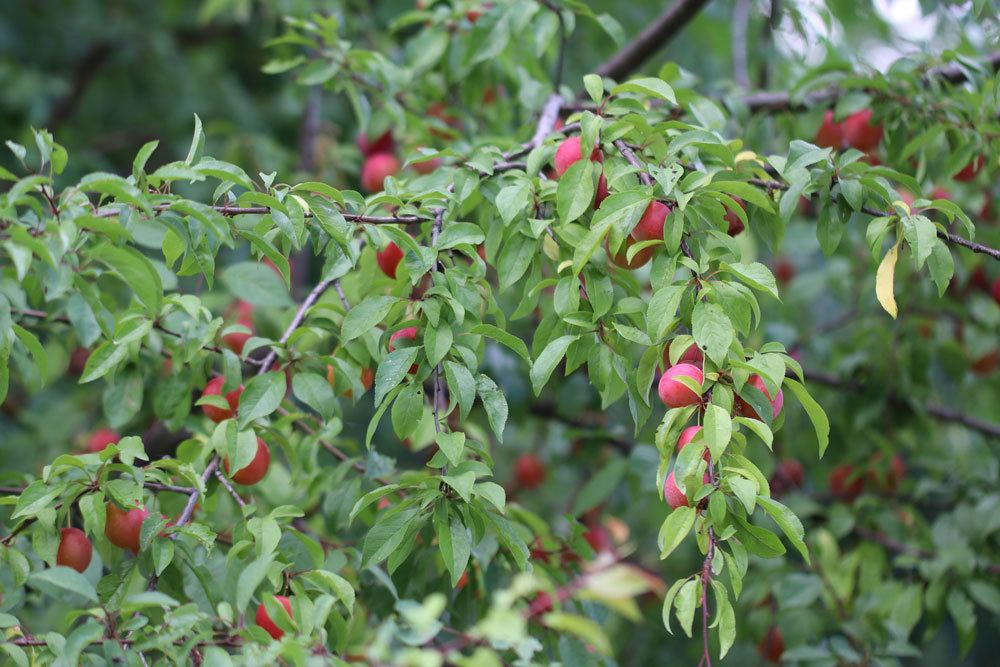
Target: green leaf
(547, 361)
(686, 603)
(816, 414)
(437, 343)
(758, 541)
(495, 404)
(941, 265)
(136, 271)
(314, 390)
(261, 397)
(256, 283)
(461, 385)
(392, 370)
(674, 529)
(755, 275)
(462, 484)
(387, 535)
(57, 581)
(647, 86)
(788, 522)
(594, 86)
(713, 331)
(600, 486)
(250, 578)
(452, 445)
(585, 629)
(35, 349)
(575, 193)
(499, 335)
(717, 430)
(363, 317)
(102, 361)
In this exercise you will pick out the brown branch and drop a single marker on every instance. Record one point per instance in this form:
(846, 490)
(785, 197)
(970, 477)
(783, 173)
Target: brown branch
(939, 412)
(652, 39)
(300, 315)
(229, 487)
(954, 239)
(230, 211)
(782, 101)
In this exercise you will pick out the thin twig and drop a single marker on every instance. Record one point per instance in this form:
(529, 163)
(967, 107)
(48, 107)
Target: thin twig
(229, 487)
(300, 315)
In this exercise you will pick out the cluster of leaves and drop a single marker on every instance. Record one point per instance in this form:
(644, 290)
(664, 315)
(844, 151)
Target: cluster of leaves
(116, 264)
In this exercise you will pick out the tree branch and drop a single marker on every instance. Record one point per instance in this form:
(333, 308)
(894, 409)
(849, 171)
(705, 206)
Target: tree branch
(651, 40)
(783, 101)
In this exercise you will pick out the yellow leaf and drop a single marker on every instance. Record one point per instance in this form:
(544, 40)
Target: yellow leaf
(883, 280)
(551, 248)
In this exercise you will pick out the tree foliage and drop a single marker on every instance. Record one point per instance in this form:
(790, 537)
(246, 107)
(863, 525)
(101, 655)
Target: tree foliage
(446, 402)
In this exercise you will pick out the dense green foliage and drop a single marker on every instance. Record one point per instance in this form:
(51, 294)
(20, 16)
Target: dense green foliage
(443, 422)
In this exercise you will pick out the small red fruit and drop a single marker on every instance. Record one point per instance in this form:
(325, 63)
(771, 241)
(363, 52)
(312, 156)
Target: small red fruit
(735, 224)
(844, 484)
(122, 527)
(687, 435)
(529, 470)
(256, 469)
(788, 475)
(830, 133)
(979, 280)
(995, 291)
(676, 394)
(75, 550)
(602, 191)
(777, 402)
(463, 580)
(425, 167)
(569, 152)
(384, 144)
(214, 388)
(101, 438)
(264, 621)
(78, 360)
(620, 258)
(408, 333)
(970, 170)
(673, 495)
(772, 647)
(784, 271)
(692, 355)
(650, 225)
(376, 169)
(860, 133)
(388, 259)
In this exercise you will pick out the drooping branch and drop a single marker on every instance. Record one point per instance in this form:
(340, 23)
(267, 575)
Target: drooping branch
(657, 35)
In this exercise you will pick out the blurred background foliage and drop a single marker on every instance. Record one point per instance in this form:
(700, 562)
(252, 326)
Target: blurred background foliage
(106, 76)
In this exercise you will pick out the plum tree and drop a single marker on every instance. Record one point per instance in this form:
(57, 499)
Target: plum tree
(628, 271)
